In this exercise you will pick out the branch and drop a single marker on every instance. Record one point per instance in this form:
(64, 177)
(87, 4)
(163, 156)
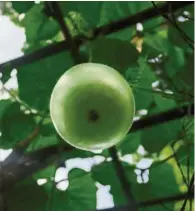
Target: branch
(22, 145)
(122, 178)
(103, 30)
(32, 162)
(163, 117)
(57, 14)
(152, 202)
(37, 55)
(28, 164)
(139, 17)
(75, 54)
(174, 23)
(188, 193)
(179, 166)
(19, 149)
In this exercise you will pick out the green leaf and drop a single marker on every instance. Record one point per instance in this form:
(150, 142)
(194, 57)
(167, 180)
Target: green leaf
(76, 24)
(136, 7)
(155, 138)
(168, 185)
(105, 174)
(112, 11)
(124, 34)
(47, 129)
(186, 74)
(153, 45)
(130, 143)
(143, 90)
(77, 153)
(179, 204)
(143, 99)
(80, 195)
(37, 80)
(174, 60)
(4, 104)
(38, 26)
(176, 37)
(46, 173)
(22, 7)
(163, 103)
(162, 183)
(15, 126)
(113, 52)
(153, 24)
(140, 191)
(84, 8)
(20, 196)
(42, 142)
(156, 189)
(147, 75)
(132, 75)
(184, 153)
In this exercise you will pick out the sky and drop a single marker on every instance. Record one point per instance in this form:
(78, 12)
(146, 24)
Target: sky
(12, 39)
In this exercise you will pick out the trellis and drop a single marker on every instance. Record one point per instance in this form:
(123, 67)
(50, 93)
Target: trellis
(18, 165)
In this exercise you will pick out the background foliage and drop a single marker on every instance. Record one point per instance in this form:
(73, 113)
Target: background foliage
(158, 63)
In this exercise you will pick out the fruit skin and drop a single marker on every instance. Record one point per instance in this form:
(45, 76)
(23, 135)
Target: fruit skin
(92, 106)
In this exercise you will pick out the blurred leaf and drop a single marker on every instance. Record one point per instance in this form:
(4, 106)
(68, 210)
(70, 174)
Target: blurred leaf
(176, 37)
(184, 153)
(38, 26)
(20, 196)
(143, 99)
(113, 52)
(136, 7)
(37, 80)
(143, 90)
(175, 60)
(179, 204)
(156, 137)
(153, 24)
(105, 174)
(129, 144)
(15, 126)
(112, 11)
(80, 195)
(190, 9)
(147, 75)
(4, 104)
(124, 34)
(153, 45)
(163, 103)
(22, 7)
(186, 74)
